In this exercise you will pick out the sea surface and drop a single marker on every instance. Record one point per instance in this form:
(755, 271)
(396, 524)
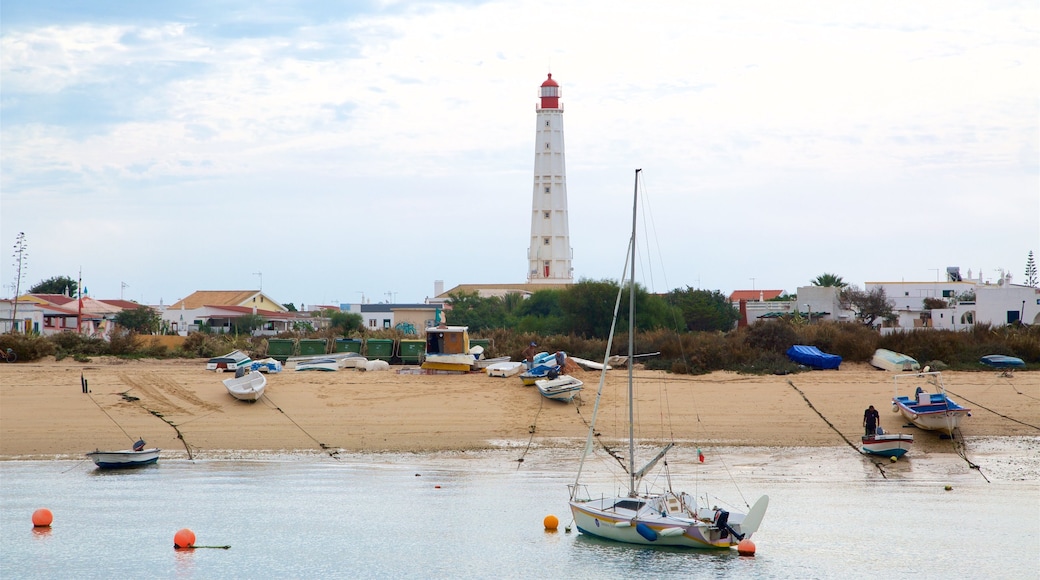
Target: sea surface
(832, 514)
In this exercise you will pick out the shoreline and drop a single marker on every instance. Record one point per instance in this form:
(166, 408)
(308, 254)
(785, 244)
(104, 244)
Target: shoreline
(174, 403)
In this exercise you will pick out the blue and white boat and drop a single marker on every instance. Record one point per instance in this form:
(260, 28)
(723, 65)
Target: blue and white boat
(266, 365)
(932, 411)
(561, 388)
(887, 444)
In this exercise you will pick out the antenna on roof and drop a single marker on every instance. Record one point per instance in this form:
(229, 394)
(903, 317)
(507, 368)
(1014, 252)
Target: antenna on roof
(122, 286)
(261, 274)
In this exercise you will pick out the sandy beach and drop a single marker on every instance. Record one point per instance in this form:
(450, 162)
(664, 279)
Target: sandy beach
(177, 405)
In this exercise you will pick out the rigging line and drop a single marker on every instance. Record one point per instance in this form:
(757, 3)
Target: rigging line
(531, 429)
(110, 416)
(1012, 385)
(157, 414)
(267, 400)
(962, 397)
(960, 447)
(835, 429)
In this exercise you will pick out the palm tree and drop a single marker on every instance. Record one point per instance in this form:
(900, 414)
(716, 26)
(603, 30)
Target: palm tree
(829, 280)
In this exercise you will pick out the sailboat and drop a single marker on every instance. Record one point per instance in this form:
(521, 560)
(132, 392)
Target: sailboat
(658, 516)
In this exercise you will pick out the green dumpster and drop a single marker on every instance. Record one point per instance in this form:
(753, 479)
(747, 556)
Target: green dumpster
(281, 349)
(411, 351)
(484, 342)
(312, 346)
(348, 345)
(379, 349)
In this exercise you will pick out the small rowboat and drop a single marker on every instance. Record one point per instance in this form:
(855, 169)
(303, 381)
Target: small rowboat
(562, 388)
(126, 458)
(248, 387)
(888, 444)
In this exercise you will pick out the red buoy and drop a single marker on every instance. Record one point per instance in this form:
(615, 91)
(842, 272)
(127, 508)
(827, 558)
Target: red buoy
(184, 539)
(42, 518)
(746, 547)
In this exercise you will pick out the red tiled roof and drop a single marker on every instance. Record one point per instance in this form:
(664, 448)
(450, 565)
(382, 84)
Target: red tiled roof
(754, 295)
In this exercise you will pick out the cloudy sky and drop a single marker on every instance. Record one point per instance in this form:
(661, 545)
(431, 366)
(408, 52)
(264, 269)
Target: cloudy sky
(334, 150)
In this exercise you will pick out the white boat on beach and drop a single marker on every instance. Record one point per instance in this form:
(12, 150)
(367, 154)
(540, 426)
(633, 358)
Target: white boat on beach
(561, 388)
(231, 361)
(650, 512)
(888, 360)
(248, 387)
(932, 411)
(319, 364)
(126, 458)
(505, 369)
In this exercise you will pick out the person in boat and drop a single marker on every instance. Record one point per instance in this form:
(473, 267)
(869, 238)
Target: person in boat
(529, 352)
(871, 418)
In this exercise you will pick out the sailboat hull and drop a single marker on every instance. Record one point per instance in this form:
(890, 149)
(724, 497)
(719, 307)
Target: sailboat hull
(650, 530)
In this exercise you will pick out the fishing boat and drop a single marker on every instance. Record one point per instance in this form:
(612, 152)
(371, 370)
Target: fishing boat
(650, 512)
(542, 364)
(932, 411)
(229, 362)
(887, 444)
(888, 360)
(126, 458)
(560, 388)
(248, 387)
(448, 349)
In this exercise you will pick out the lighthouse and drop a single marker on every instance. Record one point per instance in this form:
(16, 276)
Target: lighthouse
(549, 256)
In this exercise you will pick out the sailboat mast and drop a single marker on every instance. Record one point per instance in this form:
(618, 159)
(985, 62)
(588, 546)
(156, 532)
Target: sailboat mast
(631, 343)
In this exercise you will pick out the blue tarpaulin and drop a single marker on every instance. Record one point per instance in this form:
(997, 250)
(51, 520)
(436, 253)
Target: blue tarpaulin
(813, 357)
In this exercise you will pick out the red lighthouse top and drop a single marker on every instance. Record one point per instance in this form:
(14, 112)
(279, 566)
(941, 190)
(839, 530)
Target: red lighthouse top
(550, 94)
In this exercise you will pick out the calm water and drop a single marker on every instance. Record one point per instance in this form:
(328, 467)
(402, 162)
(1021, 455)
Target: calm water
(831, 515)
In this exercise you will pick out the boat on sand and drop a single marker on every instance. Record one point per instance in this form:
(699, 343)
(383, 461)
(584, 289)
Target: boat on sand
(930, 410)
(248, 387)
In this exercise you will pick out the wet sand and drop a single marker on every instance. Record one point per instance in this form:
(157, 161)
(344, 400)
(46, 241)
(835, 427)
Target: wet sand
(177, 405)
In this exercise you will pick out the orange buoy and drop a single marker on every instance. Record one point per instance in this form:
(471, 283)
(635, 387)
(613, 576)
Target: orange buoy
(42, 518)
(746, 547)
(550, 522)
(184, 539)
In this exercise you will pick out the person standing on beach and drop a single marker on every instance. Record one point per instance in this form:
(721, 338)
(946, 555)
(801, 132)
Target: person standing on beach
(871, 419)
(529, 352)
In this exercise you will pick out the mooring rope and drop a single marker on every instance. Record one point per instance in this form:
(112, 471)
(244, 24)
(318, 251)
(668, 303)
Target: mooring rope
(91, 397)
(180, 435)
(835, 429)
(963, 398)
(328, 450)
(532, 428)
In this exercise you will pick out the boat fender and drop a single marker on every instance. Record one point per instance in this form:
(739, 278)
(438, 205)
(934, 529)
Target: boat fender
(895, 408)
(668, 532)
(647, 532)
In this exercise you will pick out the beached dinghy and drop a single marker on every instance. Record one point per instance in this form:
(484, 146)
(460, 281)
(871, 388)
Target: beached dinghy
(505, 369)
(888, 360)
(887, 444)
(248, 387)
(561, 388)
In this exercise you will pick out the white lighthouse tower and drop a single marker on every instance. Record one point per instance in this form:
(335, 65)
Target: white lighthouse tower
(549, 256)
